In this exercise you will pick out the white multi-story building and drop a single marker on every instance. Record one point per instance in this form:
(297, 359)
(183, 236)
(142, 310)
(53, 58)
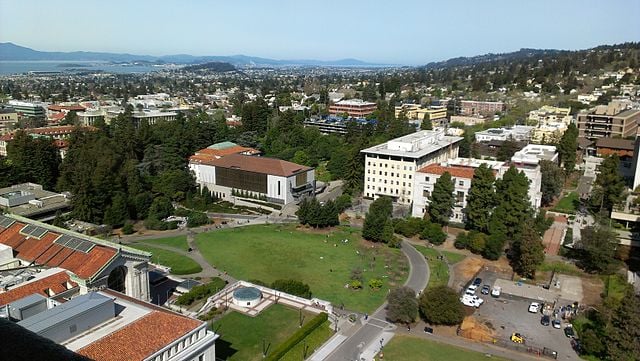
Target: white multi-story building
(461, 169)
(391, 166)
(551, 123)
(517, 132)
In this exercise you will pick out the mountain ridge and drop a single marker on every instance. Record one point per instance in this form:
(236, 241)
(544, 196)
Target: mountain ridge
(12, 52)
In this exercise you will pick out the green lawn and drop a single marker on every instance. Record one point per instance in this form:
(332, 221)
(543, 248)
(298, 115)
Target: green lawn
(439, 269)
(180, 265)
(560, 267)
(453, 257)
(320, 259)
(242, 336)
(408, 348)
(568, 203)
(179, 242)
(313, 341)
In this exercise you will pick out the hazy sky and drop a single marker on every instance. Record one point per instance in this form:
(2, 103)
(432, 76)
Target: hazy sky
(391, 31)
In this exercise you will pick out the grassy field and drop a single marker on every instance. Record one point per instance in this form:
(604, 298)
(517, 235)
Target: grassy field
(179, 242)
(242, 336)
(439, 269)
(313, 341)
(318, 258)
(568, 204)
(453, 257)
(407, 348)
(560, 267)
(180, 265)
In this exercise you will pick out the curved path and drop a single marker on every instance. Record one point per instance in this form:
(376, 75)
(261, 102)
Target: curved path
(367, 335)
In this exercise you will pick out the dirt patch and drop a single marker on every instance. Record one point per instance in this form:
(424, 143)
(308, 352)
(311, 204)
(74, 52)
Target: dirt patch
(474, 329)
(592, 288)
(468, 267)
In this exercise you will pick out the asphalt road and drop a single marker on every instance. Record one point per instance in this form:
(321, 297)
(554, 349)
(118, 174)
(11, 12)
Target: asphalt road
(370, 332)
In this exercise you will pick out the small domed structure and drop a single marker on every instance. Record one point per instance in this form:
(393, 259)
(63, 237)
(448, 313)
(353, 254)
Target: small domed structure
(247, 296)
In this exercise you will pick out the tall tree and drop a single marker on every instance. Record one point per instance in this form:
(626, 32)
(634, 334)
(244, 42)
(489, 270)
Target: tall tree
(33, 159)
(552, 180)
(481, 199)
(513, 209)
(597, 248)
(609, 185)
(442, 201)
(527, 252)
(623, 334)
(567, 148)
(426, 124)
(378, 217)
(440, 306)
(507, 149)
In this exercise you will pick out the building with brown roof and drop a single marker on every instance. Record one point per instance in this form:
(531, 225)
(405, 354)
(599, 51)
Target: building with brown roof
(231, 170)
(56, 133)
(92, 263)
(609, 121)
(110, 326)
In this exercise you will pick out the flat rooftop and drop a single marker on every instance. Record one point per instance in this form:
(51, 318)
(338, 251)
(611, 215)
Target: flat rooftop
(415, 145)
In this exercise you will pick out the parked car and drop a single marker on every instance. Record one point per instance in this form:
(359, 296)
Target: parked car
(568, 331)
(471, 301)
(496, 291)
(428, 329)
(472, 287)
(556, 323)
(545, 320)
(517, 338)
(534, 307)
(485, 289)
(477, 281)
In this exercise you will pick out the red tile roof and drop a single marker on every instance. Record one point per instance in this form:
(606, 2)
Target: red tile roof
(142, 338)
(222, 152)
(57, 108)
(56, 282)
(84, 265)
(455, 171)
(52, 131)
(262, 165)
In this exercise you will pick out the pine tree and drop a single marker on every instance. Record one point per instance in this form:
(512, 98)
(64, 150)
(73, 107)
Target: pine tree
(552, 180)
(527, 252)
(513, 209)
(442, 200)
(567, 148)
(481, 199)
(426, 124)
(609, 185)
(377, 218)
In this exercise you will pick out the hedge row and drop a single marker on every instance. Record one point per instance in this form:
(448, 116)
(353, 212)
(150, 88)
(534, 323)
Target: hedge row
(298, 336)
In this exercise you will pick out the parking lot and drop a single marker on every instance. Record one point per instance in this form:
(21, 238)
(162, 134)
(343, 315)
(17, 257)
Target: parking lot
(508, 314)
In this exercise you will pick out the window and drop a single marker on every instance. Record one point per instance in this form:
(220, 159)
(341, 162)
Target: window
(278, 187)
(392, 174)
(427, 179)
(461, 183)
(409, 176)
(460, 197)
(385, 174)
(425, 193)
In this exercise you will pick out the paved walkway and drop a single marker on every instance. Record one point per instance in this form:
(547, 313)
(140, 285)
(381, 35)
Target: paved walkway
(374, 331)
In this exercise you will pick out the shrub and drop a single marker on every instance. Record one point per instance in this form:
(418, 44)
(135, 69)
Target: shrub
(402, 306)
(409, 227)
(355, 285)
(201, 292)
(375, 283)
(433, 233)
(128, 228)
(292, 287)
(298, 336)
(343, 202)
(197, 219)
(440, 306)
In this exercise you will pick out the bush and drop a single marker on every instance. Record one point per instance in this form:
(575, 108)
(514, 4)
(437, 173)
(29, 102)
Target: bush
(298, 336)
(402, 306)
(375, 283)
(433, 233)
(201, 292)
(408, 227)
(197, 219)
(494, 246)
(355, 285)
(343, 202)
(292, 287)
(155, 224)
(128, 228)
(440, 306)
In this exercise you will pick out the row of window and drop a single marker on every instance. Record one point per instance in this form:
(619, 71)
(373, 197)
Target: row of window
(410, 168)
(385, 174)
(384, 189)
(460, 183)
(404, 184)
(178, 347)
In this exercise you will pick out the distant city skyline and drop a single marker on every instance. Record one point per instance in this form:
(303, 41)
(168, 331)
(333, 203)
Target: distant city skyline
(408, 32)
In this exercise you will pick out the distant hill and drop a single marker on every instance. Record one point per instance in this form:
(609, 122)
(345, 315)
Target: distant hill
(215, 66)
(10, 51)
(487, 58)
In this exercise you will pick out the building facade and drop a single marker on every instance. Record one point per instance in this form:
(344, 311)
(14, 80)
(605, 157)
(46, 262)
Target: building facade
(609, 121)
(517, 132)
(474, 107)
(551, 123)
(356, 108)
(8, 120)
(246, 176)
(28, 110)
(391, 166)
